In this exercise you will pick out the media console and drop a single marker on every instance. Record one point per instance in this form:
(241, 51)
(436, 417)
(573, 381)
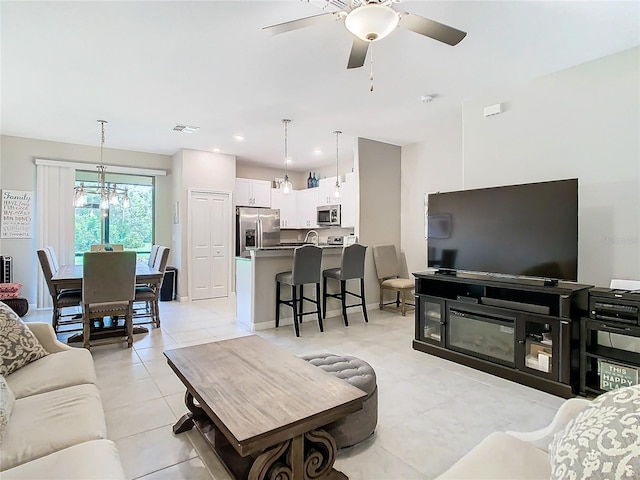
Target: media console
(520, 329)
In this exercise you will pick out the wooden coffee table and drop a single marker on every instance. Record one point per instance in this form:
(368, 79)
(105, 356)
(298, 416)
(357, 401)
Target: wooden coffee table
(261, 408)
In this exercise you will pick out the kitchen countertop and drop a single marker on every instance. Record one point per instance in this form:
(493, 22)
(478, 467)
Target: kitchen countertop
(281, 250)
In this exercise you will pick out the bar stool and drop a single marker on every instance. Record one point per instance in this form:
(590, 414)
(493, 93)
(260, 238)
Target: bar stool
(351, 267)
(307, 262)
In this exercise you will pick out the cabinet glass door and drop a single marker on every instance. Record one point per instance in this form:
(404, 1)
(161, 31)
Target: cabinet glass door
(538, 338)
(431, 311)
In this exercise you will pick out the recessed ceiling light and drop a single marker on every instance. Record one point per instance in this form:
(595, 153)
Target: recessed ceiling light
(217, 150)
(238, 138)
(317, 151)
(185, 128)
(289, 161)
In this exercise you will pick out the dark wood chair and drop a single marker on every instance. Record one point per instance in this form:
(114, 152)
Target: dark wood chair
(108, 290)
(62, 299)
(150, 293)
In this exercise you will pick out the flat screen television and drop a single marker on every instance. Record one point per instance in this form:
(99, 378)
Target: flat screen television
(521, 230)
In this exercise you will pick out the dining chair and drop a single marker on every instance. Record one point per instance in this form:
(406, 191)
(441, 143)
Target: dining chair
(388, 272)
(107, 247)
(108, 290)
(61, 298)
(351, 268)
(150, 293)
(307, 262)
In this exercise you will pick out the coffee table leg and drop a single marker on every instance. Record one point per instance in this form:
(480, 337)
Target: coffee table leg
(187, 421)
(305, 457)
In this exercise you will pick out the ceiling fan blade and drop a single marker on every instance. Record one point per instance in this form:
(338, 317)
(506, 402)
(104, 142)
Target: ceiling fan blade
(358, 53)
(301, 23)
(431, 28)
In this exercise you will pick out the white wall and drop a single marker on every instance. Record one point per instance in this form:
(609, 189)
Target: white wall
(18, 172)
(583, 122)
(205, 170)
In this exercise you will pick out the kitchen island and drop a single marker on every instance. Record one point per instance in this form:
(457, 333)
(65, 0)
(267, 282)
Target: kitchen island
(256, 285)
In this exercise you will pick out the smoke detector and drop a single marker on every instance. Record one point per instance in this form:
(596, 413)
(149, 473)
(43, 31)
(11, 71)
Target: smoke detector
(185, 128)
(427, 98)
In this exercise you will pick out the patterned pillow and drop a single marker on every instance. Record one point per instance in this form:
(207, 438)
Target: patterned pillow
(6, 405)
(18, 345)
(602, 442)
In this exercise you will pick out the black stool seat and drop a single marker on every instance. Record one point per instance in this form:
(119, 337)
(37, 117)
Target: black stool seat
(351, 267)
(307, 261)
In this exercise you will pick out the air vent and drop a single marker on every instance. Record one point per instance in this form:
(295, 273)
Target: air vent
(185, 128)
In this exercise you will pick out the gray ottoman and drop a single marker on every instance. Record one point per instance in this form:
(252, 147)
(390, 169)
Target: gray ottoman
(359, 425)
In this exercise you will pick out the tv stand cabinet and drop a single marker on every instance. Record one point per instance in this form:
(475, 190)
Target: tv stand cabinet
(516, 328)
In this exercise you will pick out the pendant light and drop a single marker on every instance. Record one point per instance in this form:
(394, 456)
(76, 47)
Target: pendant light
(336, 193)
(286, 185)
(110, 194)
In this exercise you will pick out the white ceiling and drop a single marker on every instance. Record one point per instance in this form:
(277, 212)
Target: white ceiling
(145, 66)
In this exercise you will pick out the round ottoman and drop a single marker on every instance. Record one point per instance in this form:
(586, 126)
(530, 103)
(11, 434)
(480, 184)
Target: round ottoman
(359, 425)
(19, 305)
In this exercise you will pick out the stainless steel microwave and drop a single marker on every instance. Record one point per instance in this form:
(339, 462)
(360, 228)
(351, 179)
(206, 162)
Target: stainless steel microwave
(329, 215)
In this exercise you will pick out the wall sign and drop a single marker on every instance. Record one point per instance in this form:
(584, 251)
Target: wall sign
(17, 214)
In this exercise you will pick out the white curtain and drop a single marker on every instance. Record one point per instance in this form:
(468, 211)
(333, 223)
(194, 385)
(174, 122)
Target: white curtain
(55, 216)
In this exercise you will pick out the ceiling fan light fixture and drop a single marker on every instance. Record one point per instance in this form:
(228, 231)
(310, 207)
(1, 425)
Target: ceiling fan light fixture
(371, 22)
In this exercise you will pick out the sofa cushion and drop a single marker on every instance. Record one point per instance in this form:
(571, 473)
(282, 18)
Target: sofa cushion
(93, 460)
(501, 457)
(18, 346)
(7, 401)
(602, 441)
(56, 370)
(45, 423)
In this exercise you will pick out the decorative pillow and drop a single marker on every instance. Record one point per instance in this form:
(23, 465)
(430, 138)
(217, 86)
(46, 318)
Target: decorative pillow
(18, 345)
(6, 405)
(10, 287)
(602, 441)
(8, 295)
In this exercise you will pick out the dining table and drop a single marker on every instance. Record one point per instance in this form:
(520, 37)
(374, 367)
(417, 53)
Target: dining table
(70, 277)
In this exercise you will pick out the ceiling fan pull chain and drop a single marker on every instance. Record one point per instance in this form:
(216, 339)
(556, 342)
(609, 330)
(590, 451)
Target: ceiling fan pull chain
(371, 72)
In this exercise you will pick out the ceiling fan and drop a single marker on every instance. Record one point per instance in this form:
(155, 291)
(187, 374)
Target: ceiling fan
(370, 21)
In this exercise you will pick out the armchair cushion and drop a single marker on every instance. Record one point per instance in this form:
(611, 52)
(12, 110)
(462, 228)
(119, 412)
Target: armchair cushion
(602, 441)
(18, 345)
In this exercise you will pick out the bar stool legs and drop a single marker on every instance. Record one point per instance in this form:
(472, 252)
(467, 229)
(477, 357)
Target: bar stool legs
(297, 304)
(342, 296)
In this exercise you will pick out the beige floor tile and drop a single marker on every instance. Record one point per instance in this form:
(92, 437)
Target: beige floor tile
(132, 393)
(192, 469)
(133, 419)
(153, 450)
(169, 384)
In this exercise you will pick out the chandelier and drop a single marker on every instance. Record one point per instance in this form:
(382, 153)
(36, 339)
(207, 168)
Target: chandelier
(110, 193)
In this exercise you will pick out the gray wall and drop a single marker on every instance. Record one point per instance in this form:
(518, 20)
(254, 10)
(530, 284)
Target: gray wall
(18, 172)
(583, 122)
(378, 169)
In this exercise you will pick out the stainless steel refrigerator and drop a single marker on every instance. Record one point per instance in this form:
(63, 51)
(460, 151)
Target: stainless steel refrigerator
(256, 227)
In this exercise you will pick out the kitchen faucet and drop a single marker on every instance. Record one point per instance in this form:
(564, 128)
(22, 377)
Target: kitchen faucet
(314, 240)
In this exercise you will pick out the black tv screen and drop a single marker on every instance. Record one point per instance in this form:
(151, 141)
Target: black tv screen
(524, 230)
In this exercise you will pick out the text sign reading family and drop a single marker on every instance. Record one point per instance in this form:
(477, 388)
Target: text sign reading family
(17, 217)
(614, 376)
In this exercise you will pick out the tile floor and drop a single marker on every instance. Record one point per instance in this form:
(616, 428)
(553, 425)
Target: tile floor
(431, 411)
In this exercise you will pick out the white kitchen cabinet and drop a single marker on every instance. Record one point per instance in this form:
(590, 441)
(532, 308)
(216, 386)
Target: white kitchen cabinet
(307, 201)
(287, 205)
(253, 193)
(326, 191)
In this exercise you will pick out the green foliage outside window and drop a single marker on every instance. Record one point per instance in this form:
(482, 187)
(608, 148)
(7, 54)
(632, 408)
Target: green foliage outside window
(133, 227)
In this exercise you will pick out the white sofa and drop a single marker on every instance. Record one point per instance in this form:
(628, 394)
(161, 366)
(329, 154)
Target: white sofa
(57, 427)
(587, 439)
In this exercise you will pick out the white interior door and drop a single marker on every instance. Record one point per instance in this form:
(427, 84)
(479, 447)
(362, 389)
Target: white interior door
(209, 245)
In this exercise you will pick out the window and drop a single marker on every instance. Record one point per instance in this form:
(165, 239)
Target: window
(132, 227)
